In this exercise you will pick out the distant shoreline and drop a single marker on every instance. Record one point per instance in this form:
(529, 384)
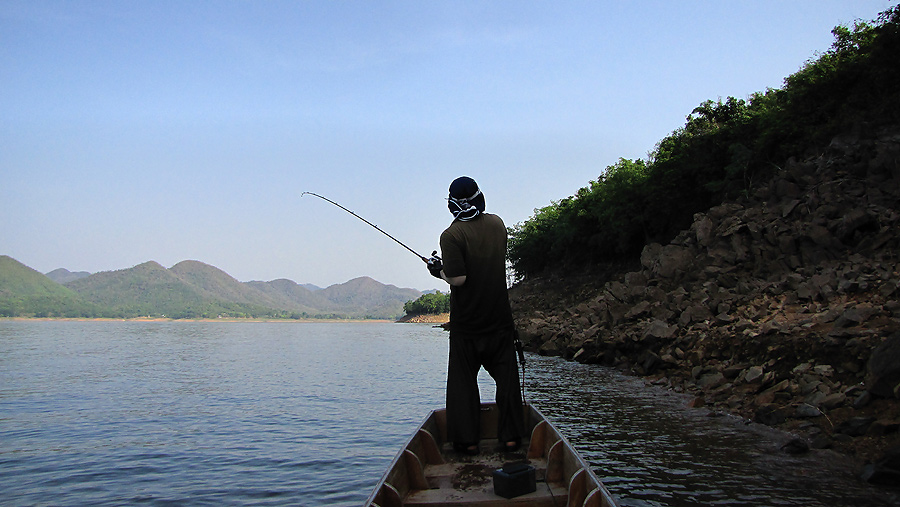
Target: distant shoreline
(441, 318)
(166, 319)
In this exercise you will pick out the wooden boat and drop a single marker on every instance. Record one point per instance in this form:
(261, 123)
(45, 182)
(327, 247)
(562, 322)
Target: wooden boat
(428, 472)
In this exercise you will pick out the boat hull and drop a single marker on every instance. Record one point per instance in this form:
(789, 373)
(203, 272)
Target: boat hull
(429, 472)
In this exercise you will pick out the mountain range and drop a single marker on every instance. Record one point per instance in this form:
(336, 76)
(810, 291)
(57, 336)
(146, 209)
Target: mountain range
(189, 289)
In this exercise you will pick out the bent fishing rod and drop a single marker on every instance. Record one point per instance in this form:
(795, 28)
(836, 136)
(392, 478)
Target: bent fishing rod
(424, 259)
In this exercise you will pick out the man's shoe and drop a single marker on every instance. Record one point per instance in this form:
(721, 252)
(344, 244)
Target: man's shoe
(512, 445)
(468, 449)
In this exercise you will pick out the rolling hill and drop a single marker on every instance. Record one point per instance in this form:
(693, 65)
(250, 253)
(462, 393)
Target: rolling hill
(189, 289)
(63, 275)
(26, 291)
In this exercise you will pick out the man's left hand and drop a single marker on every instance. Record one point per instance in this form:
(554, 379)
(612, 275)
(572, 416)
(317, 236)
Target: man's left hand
(434, 267)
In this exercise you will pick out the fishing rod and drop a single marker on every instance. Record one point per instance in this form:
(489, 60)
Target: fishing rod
(424, 259)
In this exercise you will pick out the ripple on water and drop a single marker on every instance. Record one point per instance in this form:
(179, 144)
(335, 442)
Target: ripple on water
(180, 413)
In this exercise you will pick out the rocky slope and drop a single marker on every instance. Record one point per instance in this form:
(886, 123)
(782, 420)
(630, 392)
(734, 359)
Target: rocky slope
(782, 308)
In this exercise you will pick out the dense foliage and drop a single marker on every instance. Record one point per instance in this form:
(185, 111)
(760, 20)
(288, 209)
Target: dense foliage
(429, 304)
(724, 149)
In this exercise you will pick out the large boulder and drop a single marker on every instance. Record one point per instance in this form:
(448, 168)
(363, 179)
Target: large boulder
(668, 261)
(885, 471)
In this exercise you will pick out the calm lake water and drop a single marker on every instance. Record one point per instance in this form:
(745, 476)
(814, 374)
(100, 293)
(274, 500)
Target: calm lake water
(191, 413)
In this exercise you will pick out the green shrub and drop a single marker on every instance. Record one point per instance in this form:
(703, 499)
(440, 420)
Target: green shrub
(430, 304)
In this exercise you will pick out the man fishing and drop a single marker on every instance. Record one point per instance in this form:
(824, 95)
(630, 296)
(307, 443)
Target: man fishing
(473, 262)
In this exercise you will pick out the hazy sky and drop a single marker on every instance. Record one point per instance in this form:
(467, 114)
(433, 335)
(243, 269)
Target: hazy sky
(153, 130)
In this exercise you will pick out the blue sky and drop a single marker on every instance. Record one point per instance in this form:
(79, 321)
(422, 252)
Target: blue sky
(133, 131)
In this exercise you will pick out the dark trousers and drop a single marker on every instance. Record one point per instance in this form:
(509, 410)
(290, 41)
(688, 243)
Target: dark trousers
(468, 353)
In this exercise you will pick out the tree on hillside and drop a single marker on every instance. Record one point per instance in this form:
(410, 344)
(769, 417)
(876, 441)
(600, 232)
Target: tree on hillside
(724, 150)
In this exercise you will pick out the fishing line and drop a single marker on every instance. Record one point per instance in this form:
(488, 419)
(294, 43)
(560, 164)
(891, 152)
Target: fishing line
(424, 259)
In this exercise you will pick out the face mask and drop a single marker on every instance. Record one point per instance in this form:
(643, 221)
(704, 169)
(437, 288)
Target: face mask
(463, 209)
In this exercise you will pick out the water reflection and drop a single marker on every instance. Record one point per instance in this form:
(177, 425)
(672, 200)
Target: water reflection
(651, 450)
(116, 413)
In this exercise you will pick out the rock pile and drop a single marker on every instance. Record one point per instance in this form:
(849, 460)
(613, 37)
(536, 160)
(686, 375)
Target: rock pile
(783, 307)
(440, 318)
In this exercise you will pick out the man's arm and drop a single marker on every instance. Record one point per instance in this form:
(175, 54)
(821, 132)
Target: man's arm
(455, 281)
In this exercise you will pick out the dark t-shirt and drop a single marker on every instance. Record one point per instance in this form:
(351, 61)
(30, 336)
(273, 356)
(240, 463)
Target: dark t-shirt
(477, 249)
